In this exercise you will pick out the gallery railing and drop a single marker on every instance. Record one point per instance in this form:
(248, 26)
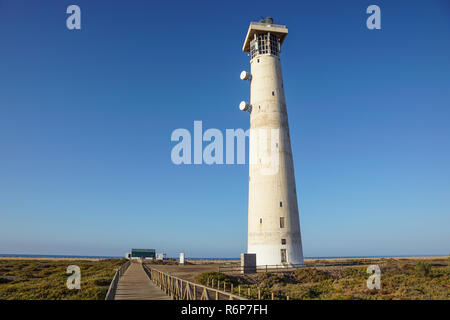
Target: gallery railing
(180, 289)
(267, 24)
(113, 286)
(263, 268)
(283, 268)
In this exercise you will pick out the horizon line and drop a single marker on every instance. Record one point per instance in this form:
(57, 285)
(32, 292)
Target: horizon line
(25, 255)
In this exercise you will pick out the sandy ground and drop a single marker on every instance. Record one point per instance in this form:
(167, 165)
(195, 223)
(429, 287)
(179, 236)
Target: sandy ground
(187, 272)
(222, 262)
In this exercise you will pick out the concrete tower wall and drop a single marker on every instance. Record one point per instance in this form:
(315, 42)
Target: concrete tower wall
(272, 195)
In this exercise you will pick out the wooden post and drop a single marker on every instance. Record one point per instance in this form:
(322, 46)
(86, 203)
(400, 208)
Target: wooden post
(239, 290)
(287, 297)
(212, 283)
(248, 291)
(224, 286)
(217, 295)
(195, 295)
(218, 284)
(259, 294)
(272, 295)
(231, 290)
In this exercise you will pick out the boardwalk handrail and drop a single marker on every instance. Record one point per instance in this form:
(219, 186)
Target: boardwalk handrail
(113, 286)
(180, 289)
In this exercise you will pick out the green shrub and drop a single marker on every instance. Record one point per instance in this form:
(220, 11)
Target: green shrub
(267, 280)
(43, 279)
(5, 280)
(355, 272)
(102, 282)
(422, 268)
(311, 275)
(202, 278)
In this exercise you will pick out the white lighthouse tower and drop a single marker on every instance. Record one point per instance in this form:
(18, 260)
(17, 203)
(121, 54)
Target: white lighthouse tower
(273, 220)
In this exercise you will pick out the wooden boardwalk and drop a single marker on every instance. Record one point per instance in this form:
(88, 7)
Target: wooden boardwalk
(136, 285)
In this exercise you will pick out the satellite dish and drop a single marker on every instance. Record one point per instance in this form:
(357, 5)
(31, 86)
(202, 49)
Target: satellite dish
(244, 75)
(243, 106)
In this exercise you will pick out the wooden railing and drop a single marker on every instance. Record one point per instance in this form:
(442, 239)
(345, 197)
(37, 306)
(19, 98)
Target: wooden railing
(113, 286)
(180, 289)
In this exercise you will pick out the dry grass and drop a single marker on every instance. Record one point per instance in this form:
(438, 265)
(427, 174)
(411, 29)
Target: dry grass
(46, 279)
(400, 279)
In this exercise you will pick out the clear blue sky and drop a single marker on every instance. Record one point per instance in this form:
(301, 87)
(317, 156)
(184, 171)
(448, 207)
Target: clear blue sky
(86, 118)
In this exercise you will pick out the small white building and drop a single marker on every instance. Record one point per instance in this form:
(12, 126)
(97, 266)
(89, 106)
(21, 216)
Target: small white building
(182, 258)
(160, 256)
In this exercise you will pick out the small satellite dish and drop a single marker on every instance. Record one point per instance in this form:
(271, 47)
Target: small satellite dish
(244, 75)
(243, 106)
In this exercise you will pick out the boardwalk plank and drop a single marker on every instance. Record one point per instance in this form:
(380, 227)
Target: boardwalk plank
(135, 285)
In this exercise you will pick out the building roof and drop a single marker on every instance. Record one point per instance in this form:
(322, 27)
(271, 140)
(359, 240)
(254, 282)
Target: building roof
(260, 27)
(142, 250)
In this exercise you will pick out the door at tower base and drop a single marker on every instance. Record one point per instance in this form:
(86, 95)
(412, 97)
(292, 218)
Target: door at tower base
(273, 217)
(268, 254)
(248, 263)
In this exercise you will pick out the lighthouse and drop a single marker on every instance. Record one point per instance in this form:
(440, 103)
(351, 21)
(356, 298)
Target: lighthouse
(273, 218)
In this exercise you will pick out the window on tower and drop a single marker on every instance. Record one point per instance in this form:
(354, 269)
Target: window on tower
(265, 44)
(283, 241)
(274, 45)
(281, 222)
